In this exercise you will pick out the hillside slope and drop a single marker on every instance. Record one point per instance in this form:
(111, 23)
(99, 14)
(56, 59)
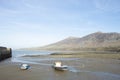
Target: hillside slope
(94, 41)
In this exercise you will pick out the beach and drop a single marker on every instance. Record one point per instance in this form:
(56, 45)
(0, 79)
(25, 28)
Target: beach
(78, 69)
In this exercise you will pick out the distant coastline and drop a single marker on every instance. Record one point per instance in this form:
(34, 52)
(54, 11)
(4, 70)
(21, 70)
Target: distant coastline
(73, 54)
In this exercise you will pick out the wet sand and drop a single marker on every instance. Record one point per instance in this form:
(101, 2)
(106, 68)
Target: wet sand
(78, 69)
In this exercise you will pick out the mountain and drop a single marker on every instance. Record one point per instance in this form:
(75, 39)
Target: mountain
(94, 41)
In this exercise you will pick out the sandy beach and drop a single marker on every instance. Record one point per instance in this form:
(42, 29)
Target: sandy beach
(79, 69)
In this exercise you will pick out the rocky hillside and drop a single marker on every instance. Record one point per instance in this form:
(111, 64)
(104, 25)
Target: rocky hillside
(94, 41)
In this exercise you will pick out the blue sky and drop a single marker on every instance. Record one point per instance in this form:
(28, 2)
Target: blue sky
(32, 23)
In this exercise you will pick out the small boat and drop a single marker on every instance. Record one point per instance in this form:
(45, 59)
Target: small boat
(24, 66)
(59, 66)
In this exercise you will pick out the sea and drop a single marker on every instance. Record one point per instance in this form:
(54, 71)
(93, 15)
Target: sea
(19, 53)
(17, 56)
(81, 69)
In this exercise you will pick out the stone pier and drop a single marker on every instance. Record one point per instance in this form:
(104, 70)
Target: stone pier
(5, 53)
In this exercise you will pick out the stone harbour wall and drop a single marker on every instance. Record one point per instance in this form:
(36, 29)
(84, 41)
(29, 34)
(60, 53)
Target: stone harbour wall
(5, 53)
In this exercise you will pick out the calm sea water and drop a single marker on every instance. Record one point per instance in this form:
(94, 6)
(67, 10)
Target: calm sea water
(19, 53)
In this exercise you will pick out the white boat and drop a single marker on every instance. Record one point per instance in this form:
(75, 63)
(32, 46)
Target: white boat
(24, 66)
(59, 66)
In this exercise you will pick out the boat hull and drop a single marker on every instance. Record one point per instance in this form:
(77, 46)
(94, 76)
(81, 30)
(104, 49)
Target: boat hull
(62, 68)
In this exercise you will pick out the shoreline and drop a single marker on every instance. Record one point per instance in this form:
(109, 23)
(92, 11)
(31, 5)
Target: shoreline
(80, 69)
(82, 66)
(101, 55)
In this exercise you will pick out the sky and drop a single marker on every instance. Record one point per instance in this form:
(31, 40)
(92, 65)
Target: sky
(34, 23)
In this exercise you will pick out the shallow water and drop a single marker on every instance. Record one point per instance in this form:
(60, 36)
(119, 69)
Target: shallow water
(19, 53)
(78, 68)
